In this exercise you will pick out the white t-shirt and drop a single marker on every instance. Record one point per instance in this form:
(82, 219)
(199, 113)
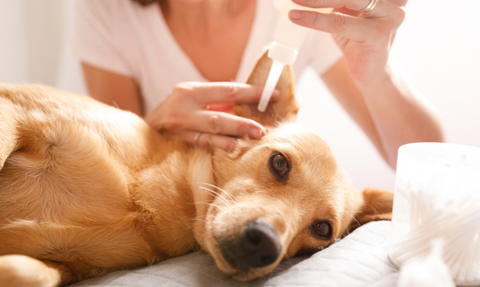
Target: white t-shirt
(123, 37)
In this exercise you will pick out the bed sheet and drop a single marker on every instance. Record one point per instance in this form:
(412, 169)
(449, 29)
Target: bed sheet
(360, 259)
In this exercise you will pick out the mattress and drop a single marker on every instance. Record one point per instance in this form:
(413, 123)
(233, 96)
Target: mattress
(359, 259)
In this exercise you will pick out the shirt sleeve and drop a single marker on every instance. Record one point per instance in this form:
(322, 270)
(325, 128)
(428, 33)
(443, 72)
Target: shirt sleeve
(324, 53)
(96, 40)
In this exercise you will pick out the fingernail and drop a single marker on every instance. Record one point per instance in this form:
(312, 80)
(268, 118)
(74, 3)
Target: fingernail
(296, 14)
(256, 133)
(275, 94)
(233, 146)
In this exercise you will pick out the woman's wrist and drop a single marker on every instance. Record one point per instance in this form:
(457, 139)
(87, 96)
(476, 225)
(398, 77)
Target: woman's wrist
(153, 119)
(378, 83)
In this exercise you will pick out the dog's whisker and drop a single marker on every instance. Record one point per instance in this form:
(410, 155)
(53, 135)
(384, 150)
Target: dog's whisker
(353, 217)
(346, 225)
(313, 159)
(215, 193)
(219, 196)
(207, 204)
(186, 224)
(199, 219)
(222, 190)
(214, 205)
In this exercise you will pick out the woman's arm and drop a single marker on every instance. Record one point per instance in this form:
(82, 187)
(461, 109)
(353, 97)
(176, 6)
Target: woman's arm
(113, 89)
(386, 109)
(363, 82)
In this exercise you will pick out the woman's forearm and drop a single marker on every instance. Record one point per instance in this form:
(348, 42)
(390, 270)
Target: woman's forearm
(399, 113)
(113, 89)
(385, 108)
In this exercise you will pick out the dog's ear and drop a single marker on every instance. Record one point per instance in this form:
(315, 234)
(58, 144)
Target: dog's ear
(283, 109)
(8, 123)
(377, 205)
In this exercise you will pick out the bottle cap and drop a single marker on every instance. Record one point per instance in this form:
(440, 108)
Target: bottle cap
(282, 53)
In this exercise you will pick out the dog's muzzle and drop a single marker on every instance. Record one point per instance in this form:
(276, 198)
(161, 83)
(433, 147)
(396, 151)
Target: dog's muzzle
(256, 246)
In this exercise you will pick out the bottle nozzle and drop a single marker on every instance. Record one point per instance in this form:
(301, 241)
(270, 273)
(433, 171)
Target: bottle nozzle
(273, 76)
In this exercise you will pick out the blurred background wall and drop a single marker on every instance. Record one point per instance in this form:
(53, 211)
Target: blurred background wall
(30, 40)
(438, 47)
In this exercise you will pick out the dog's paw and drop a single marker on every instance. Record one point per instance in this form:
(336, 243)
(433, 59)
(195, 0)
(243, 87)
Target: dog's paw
(24, 271)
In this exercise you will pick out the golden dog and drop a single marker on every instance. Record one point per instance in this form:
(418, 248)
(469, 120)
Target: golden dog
(87, 189)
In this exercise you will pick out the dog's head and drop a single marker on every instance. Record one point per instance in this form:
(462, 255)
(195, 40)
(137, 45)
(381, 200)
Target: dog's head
(282, 195)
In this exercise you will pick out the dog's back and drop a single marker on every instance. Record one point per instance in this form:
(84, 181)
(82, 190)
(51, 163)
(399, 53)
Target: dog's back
(68, 171)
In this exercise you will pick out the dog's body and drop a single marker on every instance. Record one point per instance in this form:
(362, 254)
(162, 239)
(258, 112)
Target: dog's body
(86, 189)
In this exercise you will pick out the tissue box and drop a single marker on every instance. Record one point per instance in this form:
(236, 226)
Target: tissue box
(437, 196)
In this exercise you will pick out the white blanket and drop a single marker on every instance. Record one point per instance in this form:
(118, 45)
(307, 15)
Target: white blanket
(360, 259)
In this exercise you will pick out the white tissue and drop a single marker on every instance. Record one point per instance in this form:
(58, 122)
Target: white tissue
(430, 271)
(452, 217)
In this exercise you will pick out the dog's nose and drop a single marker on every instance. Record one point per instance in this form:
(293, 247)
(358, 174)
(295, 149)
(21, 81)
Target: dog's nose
(259, 245)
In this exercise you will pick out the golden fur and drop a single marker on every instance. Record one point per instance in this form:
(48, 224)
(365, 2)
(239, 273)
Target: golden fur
(87, 189)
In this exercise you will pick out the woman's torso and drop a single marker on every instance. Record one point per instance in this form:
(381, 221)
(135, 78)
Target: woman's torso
(126, 38)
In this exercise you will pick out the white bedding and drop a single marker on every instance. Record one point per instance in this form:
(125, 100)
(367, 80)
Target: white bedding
(360, 259)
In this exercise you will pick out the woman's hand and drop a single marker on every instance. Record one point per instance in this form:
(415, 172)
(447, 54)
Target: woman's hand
(194, 107)
(365, 38)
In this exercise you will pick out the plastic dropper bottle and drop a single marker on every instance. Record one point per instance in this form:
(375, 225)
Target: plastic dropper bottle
(288, 38)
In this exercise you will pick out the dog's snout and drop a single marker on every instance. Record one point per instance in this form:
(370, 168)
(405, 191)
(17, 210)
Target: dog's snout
(256, 246)
(259, 244)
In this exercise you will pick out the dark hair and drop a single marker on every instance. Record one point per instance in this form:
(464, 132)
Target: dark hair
(146, 2)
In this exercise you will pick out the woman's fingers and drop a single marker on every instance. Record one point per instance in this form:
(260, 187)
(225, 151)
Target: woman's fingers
(356, 28)
(222, 93)
(221, 108)
(350, 4)
(337, 23)
(206, 140)
(357, 5)
(224, 124)
(384, 9)
(199, 107)
(210, 141)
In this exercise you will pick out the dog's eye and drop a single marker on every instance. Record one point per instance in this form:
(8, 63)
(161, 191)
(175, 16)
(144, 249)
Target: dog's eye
(279, 164)
(322, 229)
